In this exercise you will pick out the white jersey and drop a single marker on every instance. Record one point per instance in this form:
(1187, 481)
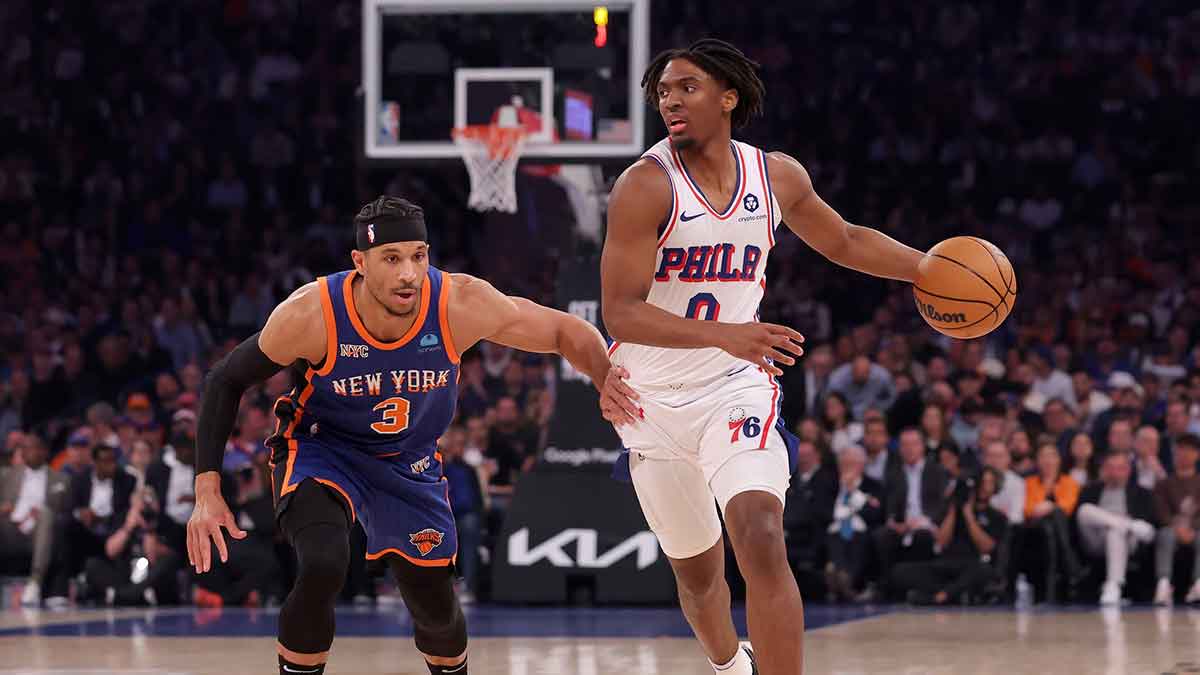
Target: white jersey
(711, 265)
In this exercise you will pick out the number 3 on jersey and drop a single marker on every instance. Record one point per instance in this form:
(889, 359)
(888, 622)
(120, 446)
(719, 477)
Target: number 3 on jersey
(703, 302)
(395, 416)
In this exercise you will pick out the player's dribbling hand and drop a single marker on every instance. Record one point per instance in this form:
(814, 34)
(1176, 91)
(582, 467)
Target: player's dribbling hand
(204, 529)
(617, 398)
(763, 344)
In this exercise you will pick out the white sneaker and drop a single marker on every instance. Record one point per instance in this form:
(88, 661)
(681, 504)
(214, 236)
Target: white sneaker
(1164, 593)
(1193, 595)
(58, 603)
(1111, 596)
(32, 595)
(1142, 531)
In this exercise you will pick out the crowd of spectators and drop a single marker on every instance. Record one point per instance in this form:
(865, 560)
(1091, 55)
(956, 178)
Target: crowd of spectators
(157, 208)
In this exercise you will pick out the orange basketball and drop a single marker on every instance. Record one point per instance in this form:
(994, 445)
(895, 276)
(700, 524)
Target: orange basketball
(965, 287)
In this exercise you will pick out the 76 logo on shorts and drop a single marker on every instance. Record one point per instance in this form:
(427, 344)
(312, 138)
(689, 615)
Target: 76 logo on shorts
(741, 425)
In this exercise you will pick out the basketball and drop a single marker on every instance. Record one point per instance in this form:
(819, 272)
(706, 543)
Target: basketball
(965, 287)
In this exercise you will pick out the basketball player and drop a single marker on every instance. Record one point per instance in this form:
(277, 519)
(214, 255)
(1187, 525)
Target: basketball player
(377, 350)
(690, 227)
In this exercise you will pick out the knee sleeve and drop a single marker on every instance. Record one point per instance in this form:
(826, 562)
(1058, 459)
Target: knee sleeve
(439, 627)
(319, 529)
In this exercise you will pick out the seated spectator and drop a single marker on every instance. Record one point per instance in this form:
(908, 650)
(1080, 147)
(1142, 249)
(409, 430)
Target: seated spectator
(173, 480)
(1081, 459)
(1021, 447)
(139, 460)
(864, 384)
(937, 434)
(1010, 498)
(842, 430)
(511, 445)
(1146, 459)
(914, 501)
(1050, 500)
(808, 507)
(136, 567)
(857, 511)
(467, 503)
(1177, 505)
(968, 538)
(100, 499)
(875, 443)
(34, 500)
(1115, 515)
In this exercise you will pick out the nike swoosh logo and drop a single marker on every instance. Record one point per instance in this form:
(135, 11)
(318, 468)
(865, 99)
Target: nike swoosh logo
(685, 217)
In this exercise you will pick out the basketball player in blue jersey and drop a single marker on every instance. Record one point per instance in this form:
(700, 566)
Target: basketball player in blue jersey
(377, 350)
(690, 228)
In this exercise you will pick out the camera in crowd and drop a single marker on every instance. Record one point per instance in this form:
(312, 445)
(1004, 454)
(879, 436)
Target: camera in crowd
(964, 490)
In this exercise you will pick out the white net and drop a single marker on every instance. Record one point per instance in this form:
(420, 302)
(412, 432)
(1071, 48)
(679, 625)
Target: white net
(491, 154)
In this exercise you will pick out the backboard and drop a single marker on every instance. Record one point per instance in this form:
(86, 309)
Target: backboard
(570, 69)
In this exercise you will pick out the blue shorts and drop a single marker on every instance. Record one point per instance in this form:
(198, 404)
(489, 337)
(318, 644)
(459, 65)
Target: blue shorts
(402, 500)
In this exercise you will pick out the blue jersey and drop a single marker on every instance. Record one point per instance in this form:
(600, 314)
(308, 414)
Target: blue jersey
(382, 398)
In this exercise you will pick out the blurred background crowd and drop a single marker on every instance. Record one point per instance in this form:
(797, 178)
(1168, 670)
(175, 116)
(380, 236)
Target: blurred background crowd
(156, 209)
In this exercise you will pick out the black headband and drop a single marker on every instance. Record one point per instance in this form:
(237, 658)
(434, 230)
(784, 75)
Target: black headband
(389, 229)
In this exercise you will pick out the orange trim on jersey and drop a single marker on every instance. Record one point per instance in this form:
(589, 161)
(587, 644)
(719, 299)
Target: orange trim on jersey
(352, 312)
(733, 203)
(335, 486)
(444, 319)
(437, 456)
(762, 174)
(293, 447)
(331, 338)
(770, 418)
(420, 562)
(674, 202)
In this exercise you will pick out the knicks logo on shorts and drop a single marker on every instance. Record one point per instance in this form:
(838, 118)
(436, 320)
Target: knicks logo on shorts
(420, 465)
(426, 540)
(741, 425)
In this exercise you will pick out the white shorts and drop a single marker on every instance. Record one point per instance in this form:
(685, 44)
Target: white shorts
(696, 449)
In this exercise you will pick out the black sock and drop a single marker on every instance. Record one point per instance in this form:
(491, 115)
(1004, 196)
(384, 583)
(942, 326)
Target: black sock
(460, 669)
(288, 668)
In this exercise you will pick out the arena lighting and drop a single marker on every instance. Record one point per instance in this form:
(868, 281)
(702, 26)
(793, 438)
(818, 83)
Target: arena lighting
(600, 16)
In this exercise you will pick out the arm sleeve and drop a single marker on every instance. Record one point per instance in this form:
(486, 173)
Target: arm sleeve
(245, 366)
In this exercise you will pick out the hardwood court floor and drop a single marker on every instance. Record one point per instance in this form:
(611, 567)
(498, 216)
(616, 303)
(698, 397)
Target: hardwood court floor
(510, 641)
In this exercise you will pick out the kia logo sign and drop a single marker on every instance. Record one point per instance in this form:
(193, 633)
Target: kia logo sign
(553, 550)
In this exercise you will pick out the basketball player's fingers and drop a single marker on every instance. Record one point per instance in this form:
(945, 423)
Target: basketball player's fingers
(219, 539)
(191, 547)
(779, 357)
(231, 524)
(203, 549)
(621, 403)
(786, 343)
(784, 330)
(625, 390)
(771, 368)
(620, 372)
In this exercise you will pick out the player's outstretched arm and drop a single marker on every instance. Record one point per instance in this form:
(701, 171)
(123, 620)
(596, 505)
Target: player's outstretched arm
(480, 312)
(859, 248)
(640, 201)
(287, 336)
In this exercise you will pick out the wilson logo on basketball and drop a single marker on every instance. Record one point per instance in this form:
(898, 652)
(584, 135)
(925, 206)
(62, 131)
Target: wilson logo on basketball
(931, 312)
(426, 540)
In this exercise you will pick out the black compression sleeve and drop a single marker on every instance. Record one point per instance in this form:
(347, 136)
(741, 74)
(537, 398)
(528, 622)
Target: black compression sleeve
(245, 366)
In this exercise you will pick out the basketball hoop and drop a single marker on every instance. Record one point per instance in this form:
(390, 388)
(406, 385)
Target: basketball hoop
(491, 152)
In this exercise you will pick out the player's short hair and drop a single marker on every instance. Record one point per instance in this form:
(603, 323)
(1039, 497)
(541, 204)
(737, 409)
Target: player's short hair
(386, 206)
(722, 61)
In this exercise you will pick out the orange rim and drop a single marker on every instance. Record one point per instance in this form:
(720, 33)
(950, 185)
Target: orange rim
(501, 142)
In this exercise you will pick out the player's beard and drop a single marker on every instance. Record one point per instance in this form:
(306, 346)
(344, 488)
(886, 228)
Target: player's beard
(682, 142)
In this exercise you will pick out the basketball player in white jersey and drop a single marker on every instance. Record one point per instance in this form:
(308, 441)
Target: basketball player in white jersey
(690, 227)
